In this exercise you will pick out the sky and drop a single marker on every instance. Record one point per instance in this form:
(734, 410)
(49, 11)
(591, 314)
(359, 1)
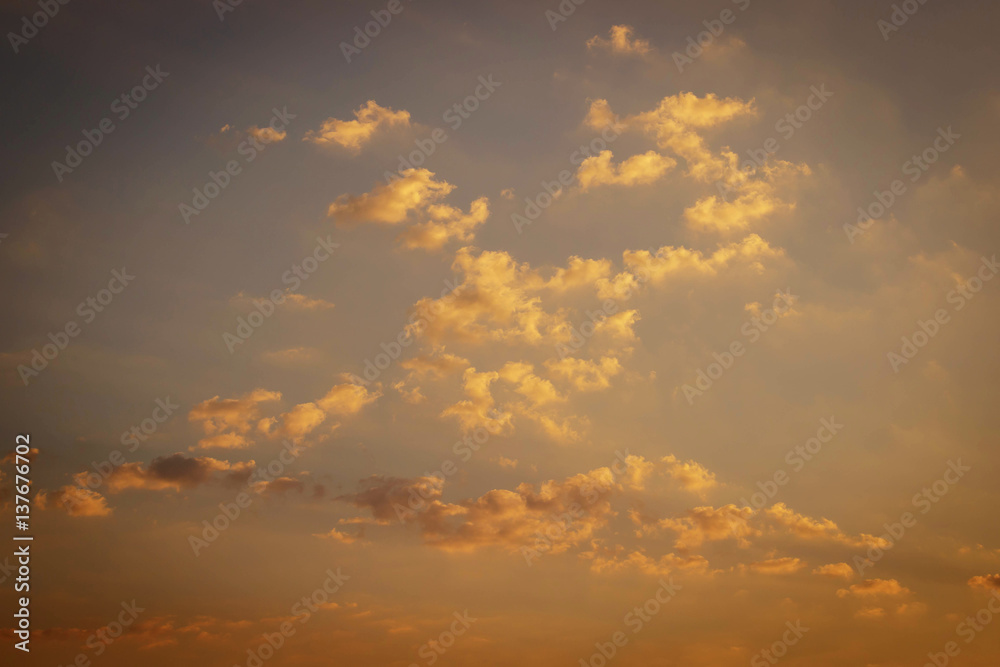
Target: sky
(527, 333)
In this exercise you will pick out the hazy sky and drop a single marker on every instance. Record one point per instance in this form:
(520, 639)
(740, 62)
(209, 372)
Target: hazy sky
(505, 334)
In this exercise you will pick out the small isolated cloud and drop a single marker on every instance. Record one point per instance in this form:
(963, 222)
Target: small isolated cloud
(874, 587)
(620, 41)
(266, 135)
(835, 570)
(227, 421)
(353, 134)
(76, 501)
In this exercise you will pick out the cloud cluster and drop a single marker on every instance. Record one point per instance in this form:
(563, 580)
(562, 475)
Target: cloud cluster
(353, 134)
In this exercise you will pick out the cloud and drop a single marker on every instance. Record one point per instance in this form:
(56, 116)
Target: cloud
(710, 524)
(586, 374)
(76, 501)
(176, 472)
(691, 475)
(805, 527)
(445, 224)
(266, 135)
(353, 134)
(776, 566)
(835, 570)
(438, 364)
(620, 41)
(413, 198)
(637, 170)
(674, 123)
(989, 582)
(226, 421)
(873, 588)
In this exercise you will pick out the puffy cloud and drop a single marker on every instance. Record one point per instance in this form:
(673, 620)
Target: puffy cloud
(604, 560)
(297, 422)
(348, 399)
(785, 565)
(479, 408)
(673, 124)
(266, 135)
(874, 587)
(438, 364)
(413, 197)
(691, 475)
(643, 266)
(338, 536)
(176, 472)
(445, 223)
(578, 273)
(805, 527)
(835, 570)
(710, 524)
(620, 41)
(989, 582)
(586, 374)
(353, 134)
(229, 419)
(390, 203)
(76, 501)
(637, 170)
